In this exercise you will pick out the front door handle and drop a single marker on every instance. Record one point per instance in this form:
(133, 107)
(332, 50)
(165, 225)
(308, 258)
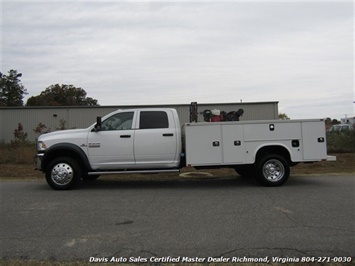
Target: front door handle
(125, 136)
(168, 134)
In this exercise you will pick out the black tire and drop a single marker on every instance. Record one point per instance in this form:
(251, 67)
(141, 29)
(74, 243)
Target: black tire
(272, 170)
(63, 173)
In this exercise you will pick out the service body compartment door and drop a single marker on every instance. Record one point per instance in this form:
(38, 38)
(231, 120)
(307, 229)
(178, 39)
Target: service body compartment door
(203, 144)
(233, 144)
(272, 131)
(314, 141)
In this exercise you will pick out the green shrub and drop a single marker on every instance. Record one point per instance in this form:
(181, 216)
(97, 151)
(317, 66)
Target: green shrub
(20, 150)
(23, 154)
(340, 142)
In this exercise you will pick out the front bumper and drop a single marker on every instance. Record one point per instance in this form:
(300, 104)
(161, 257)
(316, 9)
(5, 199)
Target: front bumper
(38, 161)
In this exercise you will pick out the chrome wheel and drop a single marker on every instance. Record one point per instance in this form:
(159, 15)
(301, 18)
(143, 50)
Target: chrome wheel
(62, 174)
(273, 170)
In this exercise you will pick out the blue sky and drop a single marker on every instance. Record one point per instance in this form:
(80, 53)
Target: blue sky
(299, 53)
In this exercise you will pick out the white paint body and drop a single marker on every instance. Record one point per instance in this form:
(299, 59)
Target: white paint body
(133, 144)
(235, 143)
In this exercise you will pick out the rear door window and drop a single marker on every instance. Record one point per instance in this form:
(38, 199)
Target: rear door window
(153, 119)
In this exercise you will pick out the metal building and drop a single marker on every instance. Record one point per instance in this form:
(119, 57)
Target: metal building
(58, 117)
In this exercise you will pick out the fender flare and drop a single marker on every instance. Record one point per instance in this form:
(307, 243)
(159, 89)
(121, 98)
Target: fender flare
(67, 149)
(276, 146)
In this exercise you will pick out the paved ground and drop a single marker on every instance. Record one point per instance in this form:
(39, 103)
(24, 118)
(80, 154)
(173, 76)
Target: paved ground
(308, 216)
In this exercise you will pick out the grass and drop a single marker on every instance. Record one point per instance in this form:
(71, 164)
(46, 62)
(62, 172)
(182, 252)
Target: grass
(17, 154)
(343, 165)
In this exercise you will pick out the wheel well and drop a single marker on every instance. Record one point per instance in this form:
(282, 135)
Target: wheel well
(65, 152)
(279, 150)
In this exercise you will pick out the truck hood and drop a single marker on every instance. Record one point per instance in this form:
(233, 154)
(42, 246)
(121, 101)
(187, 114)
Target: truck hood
(64, 134)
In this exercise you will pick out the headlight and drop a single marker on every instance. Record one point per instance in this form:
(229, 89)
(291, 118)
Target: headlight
(41, 146)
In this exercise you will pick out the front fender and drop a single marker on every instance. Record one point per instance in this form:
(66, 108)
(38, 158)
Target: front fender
(65, 149)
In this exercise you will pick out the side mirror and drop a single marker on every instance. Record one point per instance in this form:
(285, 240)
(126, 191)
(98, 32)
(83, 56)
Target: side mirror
(98, 124)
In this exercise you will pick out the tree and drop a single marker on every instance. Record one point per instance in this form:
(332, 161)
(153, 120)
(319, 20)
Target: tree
(330, 122)
(11, 89)
(283, 116)
(62, 95)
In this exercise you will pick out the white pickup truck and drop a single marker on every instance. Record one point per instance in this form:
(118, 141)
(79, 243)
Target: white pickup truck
(152, 141)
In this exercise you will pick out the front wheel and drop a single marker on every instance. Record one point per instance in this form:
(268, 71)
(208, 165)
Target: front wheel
(63, 173)
(272, 170)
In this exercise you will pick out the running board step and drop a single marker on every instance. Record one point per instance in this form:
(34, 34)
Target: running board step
(135, 172)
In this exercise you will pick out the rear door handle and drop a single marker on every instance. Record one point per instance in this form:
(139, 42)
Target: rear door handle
(125, 136)
(168, 135)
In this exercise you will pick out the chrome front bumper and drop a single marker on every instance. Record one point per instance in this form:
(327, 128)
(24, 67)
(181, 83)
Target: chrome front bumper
(38, 161)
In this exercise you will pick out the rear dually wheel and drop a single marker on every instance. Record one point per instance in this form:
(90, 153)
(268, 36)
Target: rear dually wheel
(272, 170)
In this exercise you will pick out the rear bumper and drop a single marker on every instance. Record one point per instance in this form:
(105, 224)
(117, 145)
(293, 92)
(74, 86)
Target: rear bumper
(331, 158)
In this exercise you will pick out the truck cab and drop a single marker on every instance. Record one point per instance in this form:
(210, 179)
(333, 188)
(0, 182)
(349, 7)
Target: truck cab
(135, 138)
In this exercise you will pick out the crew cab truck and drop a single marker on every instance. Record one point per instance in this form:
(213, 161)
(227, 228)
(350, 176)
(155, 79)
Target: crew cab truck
(152, 141)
